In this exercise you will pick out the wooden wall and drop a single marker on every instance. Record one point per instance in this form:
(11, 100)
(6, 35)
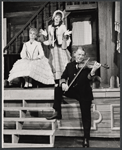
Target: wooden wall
(105, 111)
(105, 118)
(106, 39)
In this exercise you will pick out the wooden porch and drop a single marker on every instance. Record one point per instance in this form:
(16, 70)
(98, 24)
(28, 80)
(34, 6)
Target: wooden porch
(24, 112)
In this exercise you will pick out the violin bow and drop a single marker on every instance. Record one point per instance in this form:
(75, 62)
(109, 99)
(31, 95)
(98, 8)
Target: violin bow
(77, 74)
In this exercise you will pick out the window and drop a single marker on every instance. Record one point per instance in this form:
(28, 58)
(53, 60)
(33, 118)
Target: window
(81, 33)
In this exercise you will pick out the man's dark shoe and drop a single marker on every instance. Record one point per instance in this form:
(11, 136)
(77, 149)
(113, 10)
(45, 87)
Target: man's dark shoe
(85, 142)
(56, 115)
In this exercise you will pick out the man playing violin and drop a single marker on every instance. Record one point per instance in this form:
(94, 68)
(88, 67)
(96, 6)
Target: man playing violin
(80, 90)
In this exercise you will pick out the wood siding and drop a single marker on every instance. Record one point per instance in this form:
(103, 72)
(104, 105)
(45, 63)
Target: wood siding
(38, 103)
(106, 39)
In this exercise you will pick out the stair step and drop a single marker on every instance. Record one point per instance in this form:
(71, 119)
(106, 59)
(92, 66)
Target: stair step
(29, 94)
(22, 145)
(48, 93)
(29, 132)
(29, 119)
(28, 108)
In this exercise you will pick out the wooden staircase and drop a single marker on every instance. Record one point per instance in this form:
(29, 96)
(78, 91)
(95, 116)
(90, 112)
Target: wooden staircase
(18, 32)
(20, 120)
(38, 20)
(24, 113)
(18, 131)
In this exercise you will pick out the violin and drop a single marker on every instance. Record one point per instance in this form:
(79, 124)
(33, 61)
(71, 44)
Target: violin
(90, 64)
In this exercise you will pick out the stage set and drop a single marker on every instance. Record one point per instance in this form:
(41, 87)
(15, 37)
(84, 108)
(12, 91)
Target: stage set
(25, 110)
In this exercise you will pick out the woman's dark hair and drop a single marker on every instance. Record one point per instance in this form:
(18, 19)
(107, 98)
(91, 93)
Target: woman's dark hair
(58, 13)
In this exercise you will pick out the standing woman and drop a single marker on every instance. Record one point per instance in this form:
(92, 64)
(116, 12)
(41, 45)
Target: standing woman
(59, 40)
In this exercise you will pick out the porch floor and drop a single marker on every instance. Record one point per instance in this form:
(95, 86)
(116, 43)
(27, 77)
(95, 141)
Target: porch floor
(94, 142)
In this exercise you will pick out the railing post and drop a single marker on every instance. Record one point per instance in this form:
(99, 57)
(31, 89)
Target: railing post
(9, 48)
(9, 32)
(43, 19)
(49, 9)
(16, 47)
(73, 3)
(64, 5)
(56, 5)
(23, 38)
(37, 22)
(30, 25)
(44, 10)
(28, 32)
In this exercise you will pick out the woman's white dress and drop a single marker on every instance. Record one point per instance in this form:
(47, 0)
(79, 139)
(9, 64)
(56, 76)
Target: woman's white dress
(33, 64)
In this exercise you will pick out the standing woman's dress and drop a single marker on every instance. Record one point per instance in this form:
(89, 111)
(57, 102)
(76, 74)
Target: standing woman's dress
(59, 55)
(33, 64)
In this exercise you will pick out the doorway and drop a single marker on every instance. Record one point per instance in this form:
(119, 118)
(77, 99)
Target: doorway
(78, 21)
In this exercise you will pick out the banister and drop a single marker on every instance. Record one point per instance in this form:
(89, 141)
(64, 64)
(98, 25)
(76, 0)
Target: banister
(14, 38)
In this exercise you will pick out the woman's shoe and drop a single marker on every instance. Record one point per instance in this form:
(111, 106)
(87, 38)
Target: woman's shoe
(30, 85)
(26, 85)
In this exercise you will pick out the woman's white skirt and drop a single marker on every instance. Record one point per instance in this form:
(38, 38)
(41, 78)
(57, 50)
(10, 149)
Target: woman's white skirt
(39, 70)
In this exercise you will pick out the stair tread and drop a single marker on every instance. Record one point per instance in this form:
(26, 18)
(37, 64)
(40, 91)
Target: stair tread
(29, 132)
(29, 94)
(28, 108)
(29, 119)
(10, 145)
(44, 94)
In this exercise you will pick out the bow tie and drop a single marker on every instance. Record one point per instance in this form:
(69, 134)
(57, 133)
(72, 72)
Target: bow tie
(79, 65)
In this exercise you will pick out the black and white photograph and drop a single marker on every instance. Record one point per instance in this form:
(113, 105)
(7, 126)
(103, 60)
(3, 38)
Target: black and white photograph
(60, 74)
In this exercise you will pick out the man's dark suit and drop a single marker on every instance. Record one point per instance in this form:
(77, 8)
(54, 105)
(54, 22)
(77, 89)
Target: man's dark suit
(80, 90)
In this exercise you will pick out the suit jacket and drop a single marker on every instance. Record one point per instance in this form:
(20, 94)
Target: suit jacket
(81, 84)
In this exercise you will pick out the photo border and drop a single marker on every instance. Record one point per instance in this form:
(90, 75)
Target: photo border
(2, 84)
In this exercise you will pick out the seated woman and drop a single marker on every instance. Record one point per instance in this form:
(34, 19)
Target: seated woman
(33, 65)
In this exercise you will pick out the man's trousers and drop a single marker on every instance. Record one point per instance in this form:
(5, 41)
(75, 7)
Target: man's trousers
(85, 107)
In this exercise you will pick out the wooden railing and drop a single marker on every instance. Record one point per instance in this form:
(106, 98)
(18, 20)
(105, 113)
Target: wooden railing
(37, 20)
(70, 6)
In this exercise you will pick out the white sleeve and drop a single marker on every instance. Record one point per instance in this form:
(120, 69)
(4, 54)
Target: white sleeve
(49, 36)
(68, 40)
(40, 49)
(64, 28)
(48, 29)
(23, 53)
